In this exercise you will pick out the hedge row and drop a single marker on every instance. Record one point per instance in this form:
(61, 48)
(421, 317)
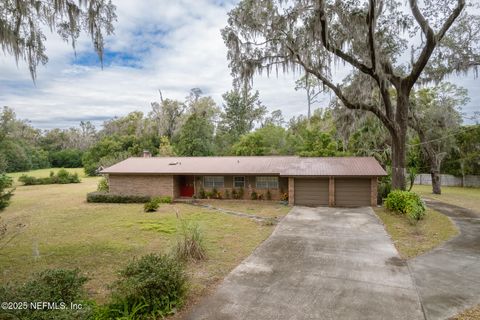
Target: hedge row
(103, 197)
(62, 177)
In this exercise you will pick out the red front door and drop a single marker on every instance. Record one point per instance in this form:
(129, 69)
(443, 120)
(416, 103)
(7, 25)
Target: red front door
(186, 186)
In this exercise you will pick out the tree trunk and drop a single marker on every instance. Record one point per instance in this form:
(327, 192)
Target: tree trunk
(435, 173)
(399, 156)
(399, 140)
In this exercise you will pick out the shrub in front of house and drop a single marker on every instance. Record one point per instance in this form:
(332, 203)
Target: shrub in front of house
(166, 199)
(103, 197)
(103, 185)
(269, 195)
(202, 194)
(406, 202)
(253, 195)
(154, 286)
(62, 177)
(155, 202)
(53, 286)
(152, 205)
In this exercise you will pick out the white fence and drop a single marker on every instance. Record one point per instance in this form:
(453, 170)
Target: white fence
(449, 180)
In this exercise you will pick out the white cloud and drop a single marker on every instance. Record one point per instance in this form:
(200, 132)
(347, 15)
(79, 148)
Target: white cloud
(179, 46)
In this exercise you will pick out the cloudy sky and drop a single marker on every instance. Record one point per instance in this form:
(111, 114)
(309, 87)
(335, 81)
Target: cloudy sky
(169, 45)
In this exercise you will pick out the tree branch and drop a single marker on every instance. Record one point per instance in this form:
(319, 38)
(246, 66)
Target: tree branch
(338, 92)
(336, 51)
(432, 39)
(371, 23)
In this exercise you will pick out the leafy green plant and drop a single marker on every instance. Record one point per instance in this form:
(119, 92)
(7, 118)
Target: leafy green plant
(103, 185)
(241, 192)
(407, 203)
(155, 202)
(190, 244)
(103, 197)
(152, 286)
(384, 188)
(202, 194)
(62, 177)
(234, 194)
(254, 195)
(165, 199)
(5, 192)
(227, 194)
(284, 197)
(209, 194)
(152, 205)
(52, 285)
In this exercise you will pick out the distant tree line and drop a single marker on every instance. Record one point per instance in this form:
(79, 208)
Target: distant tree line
(197, 126)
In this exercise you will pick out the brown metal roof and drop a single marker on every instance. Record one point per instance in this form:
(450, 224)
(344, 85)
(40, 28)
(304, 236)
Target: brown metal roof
(276, 165)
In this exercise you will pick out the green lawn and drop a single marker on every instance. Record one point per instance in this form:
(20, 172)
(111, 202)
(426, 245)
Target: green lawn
(42, 173)
(464, 197)
(268, 209)
(52, 226)
(413, 240)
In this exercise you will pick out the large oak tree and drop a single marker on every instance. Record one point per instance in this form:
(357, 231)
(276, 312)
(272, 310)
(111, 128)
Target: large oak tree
(23, 22)
(373, 38)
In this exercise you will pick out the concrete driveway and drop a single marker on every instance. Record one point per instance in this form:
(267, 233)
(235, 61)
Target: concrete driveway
(319, 263)
(448, 277)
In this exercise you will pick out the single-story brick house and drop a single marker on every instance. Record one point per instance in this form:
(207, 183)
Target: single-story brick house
(326, 181)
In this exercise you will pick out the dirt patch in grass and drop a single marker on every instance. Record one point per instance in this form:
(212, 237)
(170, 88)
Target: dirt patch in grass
(267, 209)
(470, 314)
(413, 240)
(463, 197)
(59, 229)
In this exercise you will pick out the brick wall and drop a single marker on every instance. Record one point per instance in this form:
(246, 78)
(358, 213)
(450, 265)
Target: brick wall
(151, 185)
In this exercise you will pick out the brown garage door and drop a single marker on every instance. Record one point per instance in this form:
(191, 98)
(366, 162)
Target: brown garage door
(351, 192)
(311, 192)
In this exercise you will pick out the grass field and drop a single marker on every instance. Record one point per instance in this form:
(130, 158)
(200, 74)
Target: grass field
(413, 240)
(52, 226)
(464, 197)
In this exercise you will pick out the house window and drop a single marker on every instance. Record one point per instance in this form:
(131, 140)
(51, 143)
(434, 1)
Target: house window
(267, 182)
(213, 182)
(239, 182)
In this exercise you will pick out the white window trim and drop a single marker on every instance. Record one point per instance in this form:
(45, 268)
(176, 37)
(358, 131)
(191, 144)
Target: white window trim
(268, 186)
(239, 177)
(214, 185)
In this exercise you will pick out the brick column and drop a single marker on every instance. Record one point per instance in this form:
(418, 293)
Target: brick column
(331, 192)
(291, 191)
(373, 192)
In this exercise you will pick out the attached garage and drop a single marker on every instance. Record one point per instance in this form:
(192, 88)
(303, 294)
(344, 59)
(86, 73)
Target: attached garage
(311, 192)
(352, 192)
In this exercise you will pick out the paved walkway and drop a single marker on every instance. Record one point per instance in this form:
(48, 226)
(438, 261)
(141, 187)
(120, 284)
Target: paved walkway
(319, 263)
(448, 277)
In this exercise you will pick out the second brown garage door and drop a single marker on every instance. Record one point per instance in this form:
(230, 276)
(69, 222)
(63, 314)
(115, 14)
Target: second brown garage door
(311, 192)
(351, 192)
